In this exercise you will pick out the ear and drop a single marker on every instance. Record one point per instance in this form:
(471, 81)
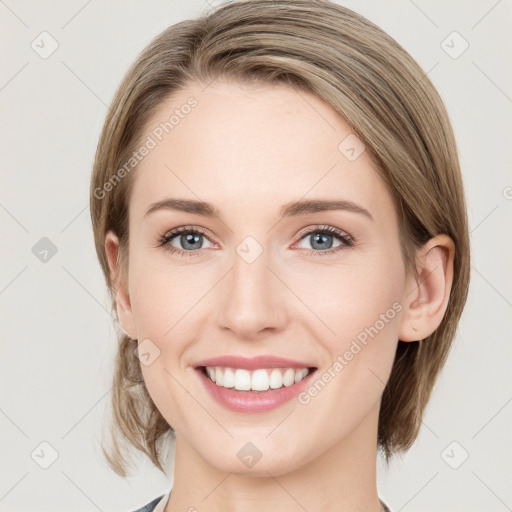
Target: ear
(427, 294)
(120, 284)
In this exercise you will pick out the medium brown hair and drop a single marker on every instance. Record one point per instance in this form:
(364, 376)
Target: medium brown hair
(368, 78)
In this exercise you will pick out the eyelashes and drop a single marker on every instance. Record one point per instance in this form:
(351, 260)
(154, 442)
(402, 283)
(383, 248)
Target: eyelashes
(197, 233)
(346, 239)
(165, 241)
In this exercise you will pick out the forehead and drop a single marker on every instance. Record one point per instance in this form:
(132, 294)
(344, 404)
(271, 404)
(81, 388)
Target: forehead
(254, 147)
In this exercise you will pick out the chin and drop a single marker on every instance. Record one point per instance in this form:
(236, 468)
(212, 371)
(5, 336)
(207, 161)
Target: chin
(258, 459)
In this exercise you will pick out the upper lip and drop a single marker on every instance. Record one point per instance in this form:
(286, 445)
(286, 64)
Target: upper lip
(253, 363)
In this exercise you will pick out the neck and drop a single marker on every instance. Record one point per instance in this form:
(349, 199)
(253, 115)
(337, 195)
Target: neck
(341, 478)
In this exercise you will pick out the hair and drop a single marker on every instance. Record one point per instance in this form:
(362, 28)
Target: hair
(341, 57)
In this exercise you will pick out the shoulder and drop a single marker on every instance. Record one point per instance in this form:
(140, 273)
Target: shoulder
(150, 507)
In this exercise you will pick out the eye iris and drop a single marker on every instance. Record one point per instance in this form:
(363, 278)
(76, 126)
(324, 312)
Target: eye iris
(191, 241)
(321, 238)
(191, 238)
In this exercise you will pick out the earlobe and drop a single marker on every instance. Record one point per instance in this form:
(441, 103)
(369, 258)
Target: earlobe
(428, 293)
(123, 305)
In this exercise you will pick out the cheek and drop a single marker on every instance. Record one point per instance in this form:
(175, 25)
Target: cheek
(162, 297)
(356, 309)
(359, 313)
(162, 303)
(349, 297)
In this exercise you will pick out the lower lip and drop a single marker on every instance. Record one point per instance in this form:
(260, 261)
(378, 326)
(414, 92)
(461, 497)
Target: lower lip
(253, 401)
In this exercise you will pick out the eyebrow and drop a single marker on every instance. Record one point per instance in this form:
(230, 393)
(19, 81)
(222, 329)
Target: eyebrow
(295, 208)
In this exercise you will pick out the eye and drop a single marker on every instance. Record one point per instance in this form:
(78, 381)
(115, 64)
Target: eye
(320, 238)
(188, 239)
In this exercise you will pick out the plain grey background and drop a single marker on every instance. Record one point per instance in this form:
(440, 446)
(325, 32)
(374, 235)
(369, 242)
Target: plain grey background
(57, 339)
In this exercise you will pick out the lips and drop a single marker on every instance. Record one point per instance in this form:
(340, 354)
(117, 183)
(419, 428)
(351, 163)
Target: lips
(250, 390)
(253, 363)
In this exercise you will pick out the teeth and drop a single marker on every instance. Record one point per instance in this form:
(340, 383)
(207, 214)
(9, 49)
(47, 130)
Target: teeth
(289, 377)
(255, 380)
(229, 378)
(242, 380)
(276, 379)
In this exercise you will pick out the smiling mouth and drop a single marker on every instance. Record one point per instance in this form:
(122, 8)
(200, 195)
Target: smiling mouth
(259, 380)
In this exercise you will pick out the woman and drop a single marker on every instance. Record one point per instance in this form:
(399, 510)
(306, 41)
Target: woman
(279, 213)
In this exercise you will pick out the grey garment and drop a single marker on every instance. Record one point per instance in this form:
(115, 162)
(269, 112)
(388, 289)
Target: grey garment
(151, 506)
(384, 506)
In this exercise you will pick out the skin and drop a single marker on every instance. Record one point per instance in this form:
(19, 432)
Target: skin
(248, 151)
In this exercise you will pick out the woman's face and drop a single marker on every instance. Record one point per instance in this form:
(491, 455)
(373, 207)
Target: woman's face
(255, 282)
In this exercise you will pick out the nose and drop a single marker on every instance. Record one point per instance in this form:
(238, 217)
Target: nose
(252, 300)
